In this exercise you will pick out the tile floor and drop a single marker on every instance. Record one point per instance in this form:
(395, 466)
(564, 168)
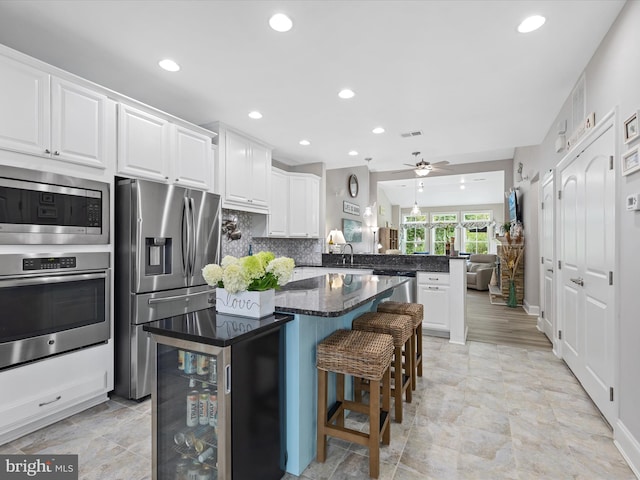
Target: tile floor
(482, 411)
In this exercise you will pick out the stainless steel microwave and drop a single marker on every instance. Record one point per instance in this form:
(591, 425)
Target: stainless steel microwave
(45, 208)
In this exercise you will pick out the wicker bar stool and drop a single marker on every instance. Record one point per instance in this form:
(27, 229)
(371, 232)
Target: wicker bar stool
(362, 355)
(400, 327)
(416, 311)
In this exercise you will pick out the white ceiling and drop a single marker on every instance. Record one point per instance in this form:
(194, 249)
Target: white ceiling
(456, 70)
(480, 189)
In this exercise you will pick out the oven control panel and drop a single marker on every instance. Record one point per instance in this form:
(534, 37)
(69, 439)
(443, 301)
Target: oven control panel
(48, 263)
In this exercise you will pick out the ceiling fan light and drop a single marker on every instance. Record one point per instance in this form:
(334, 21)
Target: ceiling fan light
(421, 172)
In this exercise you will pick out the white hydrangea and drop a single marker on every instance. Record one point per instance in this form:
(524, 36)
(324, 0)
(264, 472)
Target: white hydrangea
(228, 260)
(282, 268)
(212, 274)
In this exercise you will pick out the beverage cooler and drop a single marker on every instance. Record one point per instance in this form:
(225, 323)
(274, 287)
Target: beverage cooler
(218, 397)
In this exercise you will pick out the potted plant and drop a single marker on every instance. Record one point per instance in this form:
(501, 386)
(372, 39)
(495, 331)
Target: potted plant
(506, 231)
(246, 286)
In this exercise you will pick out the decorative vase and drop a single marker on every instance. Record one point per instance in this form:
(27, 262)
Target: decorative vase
(512, 300)
(246, 304)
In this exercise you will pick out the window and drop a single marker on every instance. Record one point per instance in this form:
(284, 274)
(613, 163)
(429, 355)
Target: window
(476, 238)
(443, 227)
(415, 234)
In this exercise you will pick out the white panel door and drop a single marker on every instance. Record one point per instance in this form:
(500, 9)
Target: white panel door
(547, 297)
(237, 179)
(192, 159)
(299, 196)
(25, 108)
(587, 250)
(279, 208)
(260, 176)
(143, 144)
(79, 131)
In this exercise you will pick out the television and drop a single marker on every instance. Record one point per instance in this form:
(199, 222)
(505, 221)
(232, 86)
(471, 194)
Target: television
(514, 212)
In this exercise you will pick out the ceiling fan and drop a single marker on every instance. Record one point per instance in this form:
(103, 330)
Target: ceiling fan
(422, 168)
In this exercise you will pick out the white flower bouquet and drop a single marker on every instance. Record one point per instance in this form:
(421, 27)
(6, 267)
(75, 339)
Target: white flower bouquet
(258, 272)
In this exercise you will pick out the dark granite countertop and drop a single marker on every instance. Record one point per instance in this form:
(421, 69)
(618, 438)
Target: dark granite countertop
(415, 263)
(212, 328)
(334, 294)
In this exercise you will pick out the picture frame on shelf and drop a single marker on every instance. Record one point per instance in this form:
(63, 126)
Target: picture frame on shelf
(631, 161)
(631, 128)
(352, 230)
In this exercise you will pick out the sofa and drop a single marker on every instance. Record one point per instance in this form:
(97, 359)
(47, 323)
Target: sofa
(479, 270)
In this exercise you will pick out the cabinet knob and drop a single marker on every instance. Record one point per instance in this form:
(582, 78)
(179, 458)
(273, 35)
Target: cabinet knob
(46, 150)
(166, 178)
(56, 152)
(177, 179)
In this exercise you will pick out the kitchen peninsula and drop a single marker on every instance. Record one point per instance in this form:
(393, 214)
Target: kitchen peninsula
(320, 305)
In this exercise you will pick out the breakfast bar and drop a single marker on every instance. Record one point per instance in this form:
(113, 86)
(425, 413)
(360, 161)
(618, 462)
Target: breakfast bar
(320, 305)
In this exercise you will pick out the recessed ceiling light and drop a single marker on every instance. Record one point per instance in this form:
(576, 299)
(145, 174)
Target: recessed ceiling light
(462, 180)
(280, 22)
(378, 130)
(169, 65)
(346, 93)
(531, 23)
(462, 187)
(353, 153)
(306, 143)
(255, 115)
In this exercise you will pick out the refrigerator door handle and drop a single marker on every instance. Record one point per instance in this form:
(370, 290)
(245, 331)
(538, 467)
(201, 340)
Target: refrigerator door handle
(227, 379)
(186, 237)
(192, 258)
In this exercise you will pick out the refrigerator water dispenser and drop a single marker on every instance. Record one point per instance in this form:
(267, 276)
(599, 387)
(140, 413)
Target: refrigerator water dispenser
(157, 256)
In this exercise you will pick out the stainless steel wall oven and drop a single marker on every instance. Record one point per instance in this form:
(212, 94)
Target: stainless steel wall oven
(45, 208)
(52, 303)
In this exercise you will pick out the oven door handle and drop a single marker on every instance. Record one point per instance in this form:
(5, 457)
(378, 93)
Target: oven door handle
(42, 279)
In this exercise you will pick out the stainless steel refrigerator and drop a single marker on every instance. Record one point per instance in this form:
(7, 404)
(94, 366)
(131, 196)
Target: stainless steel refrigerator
(164, 235)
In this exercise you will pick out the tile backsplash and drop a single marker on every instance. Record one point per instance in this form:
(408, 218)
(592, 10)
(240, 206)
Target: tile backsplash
(304, 251)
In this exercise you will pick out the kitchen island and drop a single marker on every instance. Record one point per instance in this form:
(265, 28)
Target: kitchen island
(320, 305)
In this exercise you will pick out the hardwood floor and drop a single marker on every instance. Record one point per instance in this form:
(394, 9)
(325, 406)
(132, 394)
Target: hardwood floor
(501, 325)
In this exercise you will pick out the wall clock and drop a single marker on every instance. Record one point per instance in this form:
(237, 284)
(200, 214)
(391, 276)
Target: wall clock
(353, 185)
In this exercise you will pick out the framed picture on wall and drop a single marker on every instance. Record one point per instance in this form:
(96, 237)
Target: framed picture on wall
(630, 161)
(352, 230)
(631, 130)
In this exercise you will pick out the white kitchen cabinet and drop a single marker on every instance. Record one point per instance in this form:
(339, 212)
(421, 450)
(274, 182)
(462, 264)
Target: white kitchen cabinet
(244, 171)
(433, 291)
(143, 144)
(192, 159)
(151, 147)
(304, 205)
(43, 392)
(50, 117)
(279, 216)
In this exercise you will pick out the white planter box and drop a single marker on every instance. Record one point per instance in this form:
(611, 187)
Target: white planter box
(246, 304)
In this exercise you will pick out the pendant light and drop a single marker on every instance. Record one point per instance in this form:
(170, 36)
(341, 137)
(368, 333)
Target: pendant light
(416, 210)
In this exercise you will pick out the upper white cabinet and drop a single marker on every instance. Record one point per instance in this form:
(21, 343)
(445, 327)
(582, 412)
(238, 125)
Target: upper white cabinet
(47, 116)
(143, 144)
(294, 207)
(151, 147)
(279, 216)
(304, 205)
(244, 172)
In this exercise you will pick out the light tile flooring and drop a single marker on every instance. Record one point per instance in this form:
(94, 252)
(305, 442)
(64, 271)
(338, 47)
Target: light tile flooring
(482, 411)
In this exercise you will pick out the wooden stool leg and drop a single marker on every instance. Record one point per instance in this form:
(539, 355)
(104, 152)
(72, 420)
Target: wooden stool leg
(374, 430)
(321, 451)
(386, 404)
(412, 354)
(419, 352)
(397, 383)
(357, 389)
(408, 369)
(340, 397)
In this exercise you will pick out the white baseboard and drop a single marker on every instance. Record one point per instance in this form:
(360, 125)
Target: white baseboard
(629, 447)
(530, 309)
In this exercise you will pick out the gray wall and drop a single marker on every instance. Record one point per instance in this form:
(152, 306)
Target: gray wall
(337, 192)
(613, 81)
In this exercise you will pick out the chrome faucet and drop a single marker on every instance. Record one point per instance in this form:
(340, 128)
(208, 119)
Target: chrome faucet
(343, 249)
